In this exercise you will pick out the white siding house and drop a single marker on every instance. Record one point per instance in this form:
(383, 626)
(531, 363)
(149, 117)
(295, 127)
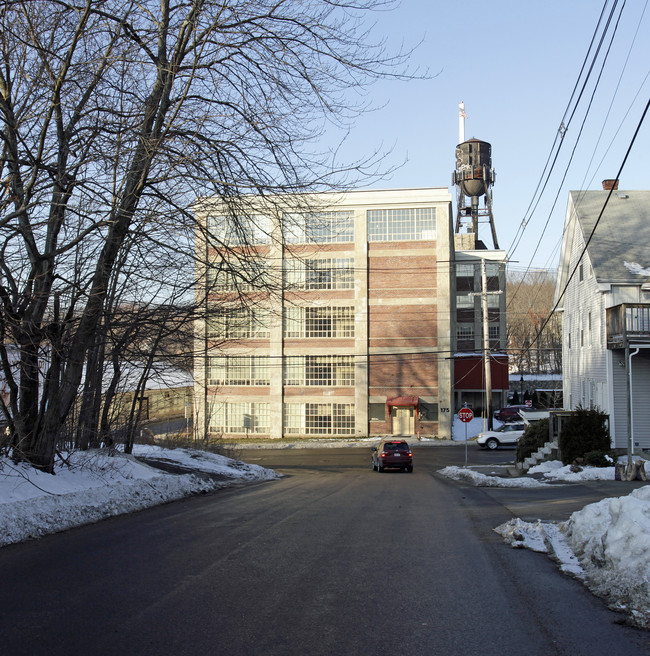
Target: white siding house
(603, 290)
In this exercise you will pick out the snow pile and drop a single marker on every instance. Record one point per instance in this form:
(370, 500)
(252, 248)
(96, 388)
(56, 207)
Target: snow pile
(556, 471)
(91, 485)
(606, 544)
(481, 480)
(612, 541)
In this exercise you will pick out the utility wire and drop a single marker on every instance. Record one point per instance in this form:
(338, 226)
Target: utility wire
(593, 230)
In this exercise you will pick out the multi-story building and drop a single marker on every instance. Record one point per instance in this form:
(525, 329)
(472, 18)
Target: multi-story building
(338, 320)
(479, 271)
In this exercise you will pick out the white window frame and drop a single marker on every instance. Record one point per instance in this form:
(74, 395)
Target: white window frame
(319, 322)
(240, 370)
(319, 370)
(405, 224)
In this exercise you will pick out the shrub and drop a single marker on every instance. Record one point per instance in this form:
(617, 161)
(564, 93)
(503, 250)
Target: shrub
(534, 437)
(584, 431)
(600, 458)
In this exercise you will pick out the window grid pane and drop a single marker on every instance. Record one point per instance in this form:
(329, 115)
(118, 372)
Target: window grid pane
(465, 331)
(465, 301)
(326, 273)
(402, 225)
(245, 276)
(240, 418)
(319, 418)
(238, 370)
(319, 322)
(318, 227)
(240, 323)
(319, 370)
(240, 230)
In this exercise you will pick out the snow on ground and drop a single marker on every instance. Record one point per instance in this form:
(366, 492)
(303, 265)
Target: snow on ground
(92, 485)
(606, 544)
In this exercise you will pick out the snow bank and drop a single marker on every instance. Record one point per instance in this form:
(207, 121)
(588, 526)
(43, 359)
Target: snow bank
(606, 544)
(481, 480)
(93, 485)
(612, 541)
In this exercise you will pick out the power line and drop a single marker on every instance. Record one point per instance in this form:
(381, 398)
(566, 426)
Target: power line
(593, 230)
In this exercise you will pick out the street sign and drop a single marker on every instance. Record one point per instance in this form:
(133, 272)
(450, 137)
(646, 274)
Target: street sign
(465, 414)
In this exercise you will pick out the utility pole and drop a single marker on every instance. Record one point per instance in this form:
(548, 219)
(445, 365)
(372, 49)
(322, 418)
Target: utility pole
(484, 293)
(486, 346)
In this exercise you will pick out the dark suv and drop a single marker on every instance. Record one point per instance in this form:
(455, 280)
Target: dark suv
(510, 413)
(392, 453)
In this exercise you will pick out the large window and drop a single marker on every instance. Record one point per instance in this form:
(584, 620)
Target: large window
(319, 322)
(318, 227)
(240, 230)
(319, 419)
(402, 225)
(324, 273)
(238, 370)
(243, 275)
(319, 370)
(253, 322)
(240, 418)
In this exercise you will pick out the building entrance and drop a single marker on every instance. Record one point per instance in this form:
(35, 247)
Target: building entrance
(403, 421)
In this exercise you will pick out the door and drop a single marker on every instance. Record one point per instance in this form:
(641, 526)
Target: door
(403, 421)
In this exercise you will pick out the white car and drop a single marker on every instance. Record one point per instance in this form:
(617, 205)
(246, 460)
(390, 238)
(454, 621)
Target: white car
(506, 435)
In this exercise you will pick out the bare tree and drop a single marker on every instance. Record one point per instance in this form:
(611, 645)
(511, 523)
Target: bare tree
(535, 344)
(116, 116)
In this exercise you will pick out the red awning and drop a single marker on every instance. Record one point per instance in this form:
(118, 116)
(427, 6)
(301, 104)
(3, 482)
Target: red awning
(403, 401)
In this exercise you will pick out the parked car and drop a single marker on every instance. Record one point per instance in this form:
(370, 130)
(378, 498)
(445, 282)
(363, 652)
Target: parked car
(506, 435)
(510, 413)
(394, 454)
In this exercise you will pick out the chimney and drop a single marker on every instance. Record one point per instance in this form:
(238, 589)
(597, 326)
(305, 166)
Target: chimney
(608, 185)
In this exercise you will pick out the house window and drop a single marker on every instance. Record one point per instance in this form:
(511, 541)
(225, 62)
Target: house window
(319, 322)
(402, 225)
(319, 370)
(319, 418)
(318, 227)
(238, 370)
(580, 272)
(240, 418)
(493, 332)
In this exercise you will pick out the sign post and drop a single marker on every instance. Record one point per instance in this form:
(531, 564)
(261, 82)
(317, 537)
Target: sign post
(466, 415)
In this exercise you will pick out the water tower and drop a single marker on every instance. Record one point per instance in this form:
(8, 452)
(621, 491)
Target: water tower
(473, 177)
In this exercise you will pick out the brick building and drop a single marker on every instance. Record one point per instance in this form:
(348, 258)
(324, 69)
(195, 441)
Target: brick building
(347, 326)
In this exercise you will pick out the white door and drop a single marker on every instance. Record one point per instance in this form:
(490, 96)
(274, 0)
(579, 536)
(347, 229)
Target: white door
(403, 421)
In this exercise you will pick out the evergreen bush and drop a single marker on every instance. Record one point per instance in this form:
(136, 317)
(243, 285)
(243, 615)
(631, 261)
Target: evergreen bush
(584, 431)
(534, 437)
(600, 458)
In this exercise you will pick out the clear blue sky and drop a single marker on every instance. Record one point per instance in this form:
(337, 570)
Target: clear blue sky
(515, 65)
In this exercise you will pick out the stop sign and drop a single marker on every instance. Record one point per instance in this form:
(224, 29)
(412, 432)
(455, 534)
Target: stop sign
(465, 414)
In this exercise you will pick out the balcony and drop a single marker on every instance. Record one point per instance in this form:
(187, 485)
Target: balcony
(628, 324)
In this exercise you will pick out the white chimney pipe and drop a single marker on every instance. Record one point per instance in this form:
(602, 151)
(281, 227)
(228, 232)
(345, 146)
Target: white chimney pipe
(461, 122)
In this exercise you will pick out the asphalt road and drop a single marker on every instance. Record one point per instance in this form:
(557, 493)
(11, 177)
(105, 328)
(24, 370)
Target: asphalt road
(332, 559)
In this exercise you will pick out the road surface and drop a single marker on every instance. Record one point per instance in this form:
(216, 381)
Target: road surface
(332, 559)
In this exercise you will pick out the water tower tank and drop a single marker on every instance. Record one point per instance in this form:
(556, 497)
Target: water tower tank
(474, 172)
